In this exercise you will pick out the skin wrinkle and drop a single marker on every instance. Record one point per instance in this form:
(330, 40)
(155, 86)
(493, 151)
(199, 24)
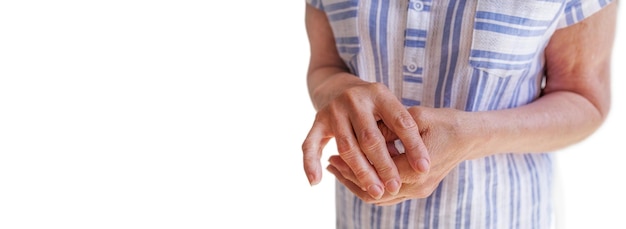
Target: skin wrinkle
(572, 105)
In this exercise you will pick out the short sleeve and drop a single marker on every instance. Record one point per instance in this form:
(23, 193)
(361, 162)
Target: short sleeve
(316, 3)
(577, 10)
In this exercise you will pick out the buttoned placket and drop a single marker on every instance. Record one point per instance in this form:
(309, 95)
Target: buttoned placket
(415, 43)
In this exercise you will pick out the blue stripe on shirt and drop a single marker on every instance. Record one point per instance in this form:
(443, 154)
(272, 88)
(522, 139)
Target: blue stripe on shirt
(341, 5)
(347, 40)
(492, 65)
(342, 15)
(512, 19)
(383, 32)
(410, 103)
(349, 50)
(413, 79)
(501, 56)
(508, 30)
(415, 32)
(414, 44)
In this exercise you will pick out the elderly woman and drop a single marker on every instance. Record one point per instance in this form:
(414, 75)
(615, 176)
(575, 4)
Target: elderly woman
(445, 112)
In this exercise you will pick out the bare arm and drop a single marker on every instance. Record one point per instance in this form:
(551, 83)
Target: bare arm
(348, 110)
(574, 103)
(576, 98)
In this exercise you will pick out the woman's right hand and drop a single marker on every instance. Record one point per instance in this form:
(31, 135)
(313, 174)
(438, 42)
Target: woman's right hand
(352, 117)
(348, 110)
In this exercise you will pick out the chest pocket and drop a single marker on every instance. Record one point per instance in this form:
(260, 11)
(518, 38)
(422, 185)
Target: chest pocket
(509, 35)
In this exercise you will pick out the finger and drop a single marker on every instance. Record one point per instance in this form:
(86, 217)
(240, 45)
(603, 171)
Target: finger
(373, 145)
(387, 133)
(338, 163)
(387, 199)
(351, 153)
(391, 138)
(389, 202)
(393, 151)
(407, 174)
(312, 148)
(345, 171)
(355, 189)
(399, 120)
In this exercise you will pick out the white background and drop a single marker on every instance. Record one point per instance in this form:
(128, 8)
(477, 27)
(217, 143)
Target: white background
(190, 114)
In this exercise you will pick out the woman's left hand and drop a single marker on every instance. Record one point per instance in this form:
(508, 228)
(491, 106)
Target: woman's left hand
(447, 135)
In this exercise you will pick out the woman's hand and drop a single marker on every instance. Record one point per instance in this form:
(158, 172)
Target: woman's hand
(447, 139)
(348, 110)
(351, 118)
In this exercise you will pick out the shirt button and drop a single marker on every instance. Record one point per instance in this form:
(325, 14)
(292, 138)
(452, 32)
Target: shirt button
(412, 67)
(417, 5)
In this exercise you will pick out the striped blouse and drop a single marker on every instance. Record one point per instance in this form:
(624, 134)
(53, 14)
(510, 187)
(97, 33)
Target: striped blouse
(472, 55)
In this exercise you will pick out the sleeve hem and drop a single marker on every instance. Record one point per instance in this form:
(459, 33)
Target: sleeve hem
(576, 11)
(316, 3)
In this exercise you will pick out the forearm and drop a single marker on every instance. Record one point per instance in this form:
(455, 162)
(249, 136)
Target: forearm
(327, 75)
(575, 100)
(552, 122)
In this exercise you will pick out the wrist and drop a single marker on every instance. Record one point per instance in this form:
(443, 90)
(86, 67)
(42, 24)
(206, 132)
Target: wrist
(473, 134)
(331, 87)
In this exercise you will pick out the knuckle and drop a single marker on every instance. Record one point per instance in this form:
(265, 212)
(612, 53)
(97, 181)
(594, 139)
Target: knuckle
(307, 146)
(425, 192)
(385, 171)
(335, 105)
(405, 121)
(361, 174)
(308, 149)
(378, 87)
(415, 111)
(322, 115)
(344, 145)
(370, 139)
(350, 96)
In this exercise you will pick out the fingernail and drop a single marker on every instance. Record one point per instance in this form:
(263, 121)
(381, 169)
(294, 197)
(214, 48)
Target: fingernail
(423, 165)
(375, 191)
(399, 146)
(312, 181)
(393, 187)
